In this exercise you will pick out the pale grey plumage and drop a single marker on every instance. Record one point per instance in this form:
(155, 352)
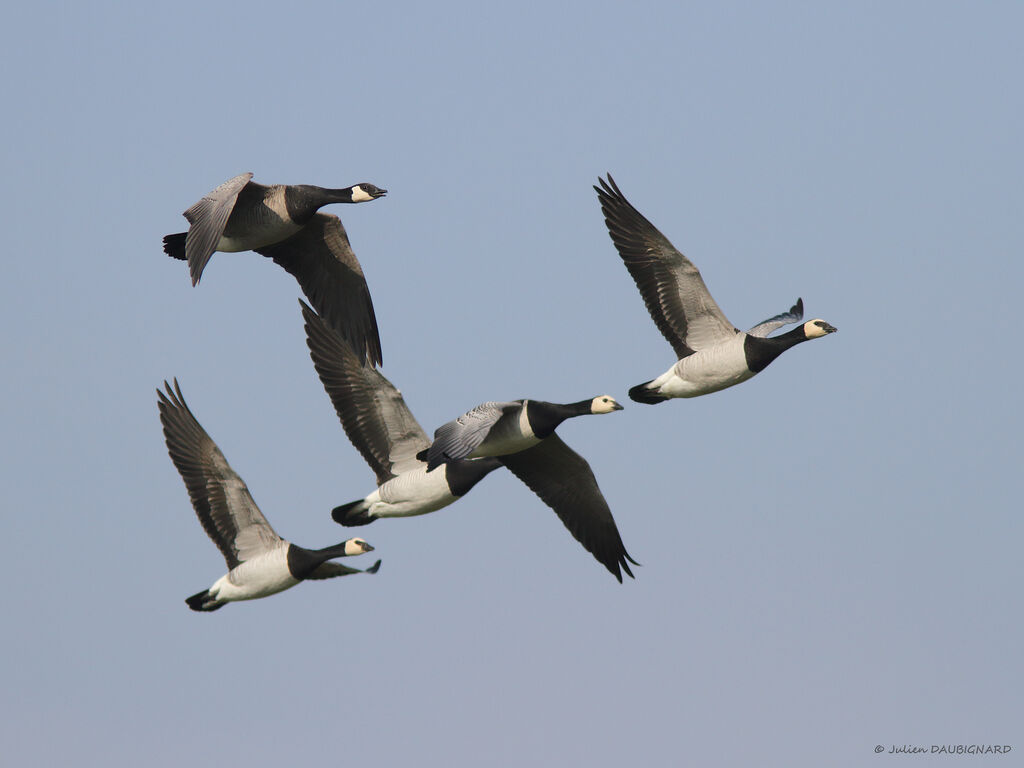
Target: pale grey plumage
(458, 438)
(794, 315)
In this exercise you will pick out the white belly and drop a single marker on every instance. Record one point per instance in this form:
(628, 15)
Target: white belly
(261, 576)
(412, 493)
(707, 371)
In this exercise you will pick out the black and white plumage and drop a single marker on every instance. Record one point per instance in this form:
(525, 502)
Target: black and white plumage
(713, 354)
(260, 563)
(521, 435)
(282, 222)
(382, 428)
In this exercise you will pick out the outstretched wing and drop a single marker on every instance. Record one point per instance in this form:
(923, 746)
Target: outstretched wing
(460, 437)
(372, 412)
(673, 290)
(795, 315)
(320, 258)
(207, 219)
(330, 569)
(220, 498)
(564, 481)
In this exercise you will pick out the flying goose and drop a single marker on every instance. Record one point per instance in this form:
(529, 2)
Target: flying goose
(260, 562)
(713, 354)
(383, 429)
(282, 223)
(521, 434)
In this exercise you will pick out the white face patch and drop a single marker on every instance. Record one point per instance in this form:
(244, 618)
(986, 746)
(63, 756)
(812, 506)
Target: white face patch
(355, 547)
(359, 195)
(812, 329)
(604, 404)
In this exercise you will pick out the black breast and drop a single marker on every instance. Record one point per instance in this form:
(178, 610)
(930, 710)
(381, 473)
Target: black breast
(462, 475)
(544, 418)
(302, 562)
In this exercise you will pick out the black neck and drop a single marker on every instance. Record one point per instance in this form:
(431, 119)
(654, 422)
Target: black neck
(302, 561)
(545, 417)
(304, 200)
(760, 352)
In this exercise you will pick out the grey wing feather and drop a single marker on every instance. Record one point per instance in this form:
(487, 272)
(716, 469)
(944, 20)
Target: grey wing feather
(220, 498)
(460, 437)
(320, 258)
(372, 411)
(564, 481)
(331, 569)
(795, 315)
(671, 286)
(207, 219)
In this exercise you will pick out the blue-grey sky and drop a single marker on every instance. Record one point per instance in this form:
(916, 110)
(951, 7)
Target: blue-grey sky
(831, 552)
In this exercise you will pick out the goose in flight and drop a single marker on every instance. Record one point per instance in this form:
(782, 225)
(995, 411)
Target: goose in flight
(521, 435)
(260, 563)
(713, 354)
(382, 428)
(282, 222)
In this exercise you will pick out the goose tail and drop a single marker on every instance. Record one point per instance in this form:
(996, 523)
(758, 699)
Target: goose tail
(641, 394)
(352, 514)
(203, 601)
(174, 245)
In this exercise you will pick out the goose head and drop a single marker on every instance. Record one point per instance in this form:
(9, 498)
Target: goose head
(604, 404)
(357, 547)
(362, 193)
(815, 329)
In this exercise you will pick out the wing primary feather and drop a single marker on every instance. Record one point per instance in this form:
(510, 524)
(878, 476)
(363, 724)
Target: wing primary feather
(565, 482)
(371, 409)
(320, 258)
(220, 498)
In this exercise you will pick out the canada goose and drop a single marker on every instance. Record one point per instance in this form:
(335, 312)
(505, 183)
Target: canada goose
(282, 223)
(713, 354)
(521, 434)
(260, 562)
(383, 429)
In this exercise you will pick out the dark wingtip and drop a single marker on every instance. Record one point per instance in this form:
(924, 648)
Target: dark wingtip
(373, 568)
(625, 566)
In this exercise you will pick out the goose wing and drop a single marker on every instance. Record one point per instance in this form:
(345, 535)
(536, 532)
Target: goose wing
(564, 481)
(221, 500)
(331, 569)
(672, 288)
(460, 437)
(795, 315)
(320, 258)
(207, 219)
(372, 411)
